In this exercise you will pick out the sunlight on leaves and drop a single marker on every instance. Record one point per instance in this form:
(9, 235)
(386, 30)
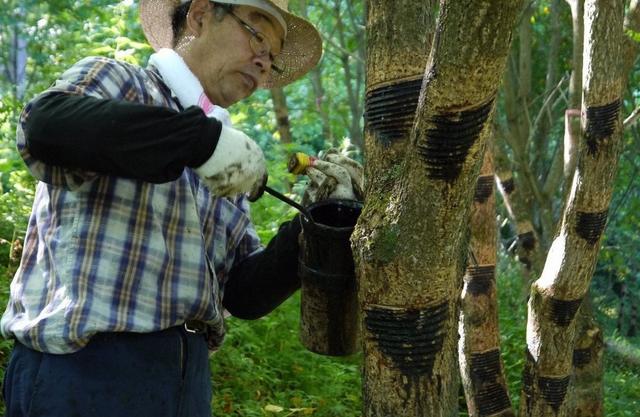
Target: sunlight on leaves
(273, 408)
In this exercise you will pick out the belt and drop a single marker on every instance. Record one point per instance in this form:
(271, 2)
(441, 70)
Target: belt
(195, 327)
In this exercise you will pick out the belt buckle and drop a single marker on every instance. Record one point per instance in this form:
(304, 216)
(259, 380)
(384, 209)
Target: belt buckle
(195, 327)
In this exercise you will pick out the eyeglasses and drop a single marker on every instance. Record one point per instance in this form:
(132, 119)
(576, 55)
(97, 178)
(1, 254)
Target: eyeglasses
(259, 43)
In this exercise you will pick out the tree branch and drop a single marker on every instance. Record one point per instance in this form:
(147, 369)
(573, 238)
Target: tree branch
(631, 47)
(631, 119)
(546, 107)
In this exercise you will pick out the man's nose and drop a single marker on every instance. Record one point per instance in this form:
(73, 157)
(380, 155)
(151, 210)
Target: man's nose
(263, 62)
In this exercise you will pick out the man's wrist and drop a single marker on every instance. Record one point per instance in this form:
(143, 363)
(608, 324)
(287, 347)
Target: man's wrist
(210, 135)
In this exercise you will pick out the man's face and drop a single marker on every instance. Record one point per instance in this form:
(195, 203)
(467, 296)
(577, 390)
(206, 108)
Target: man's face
(220, 55)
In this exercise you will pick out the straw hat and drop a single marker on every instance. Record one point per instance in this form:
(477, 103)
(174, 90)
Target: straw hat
(301, 51)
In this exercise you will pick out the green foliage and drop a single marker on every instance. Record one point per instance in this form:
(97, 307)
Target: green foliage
(512, 314)
(621, 386)
(262, 366)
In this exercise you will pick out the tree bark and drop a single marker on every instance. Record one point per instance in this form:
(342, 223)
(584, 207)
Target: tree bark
(587, 399)
(542, 125)
(410, 243)
(16, 69)
(519, 210)
(353, 77)
(558, 293)
(399, 37)
(282, 114)
(572, 120)
(481, 366)
(575, 83)
(322, 102)
(631, 47)
(588, 368)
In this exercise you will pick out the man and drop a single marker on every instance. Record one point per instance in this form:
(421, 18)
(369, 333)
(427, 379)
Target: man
(139, 234)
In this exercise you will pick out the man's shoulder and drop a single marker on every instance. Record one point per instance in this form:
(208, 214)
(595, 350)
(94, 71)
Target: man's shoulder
(108, 64)
(112, 78)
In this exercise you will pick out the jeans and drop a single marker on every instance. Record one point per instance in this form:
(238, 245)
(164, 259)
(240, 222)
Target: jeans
(161, 374)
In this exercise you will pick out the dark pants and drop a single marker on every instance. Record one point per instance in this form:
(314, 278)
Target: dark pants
(162, 374)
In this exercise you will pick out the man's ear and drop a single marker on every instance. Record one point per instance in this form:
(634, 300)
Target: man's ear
(198, 12)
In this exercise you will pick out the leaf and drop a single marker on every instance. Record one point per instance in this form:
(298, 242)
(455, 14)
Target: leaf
(635, 36)
(302, 410)
(273, 408)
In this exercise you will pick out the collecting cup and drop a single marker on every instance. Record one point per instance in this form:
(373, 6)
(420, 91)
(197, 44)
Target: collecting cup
(329, 308)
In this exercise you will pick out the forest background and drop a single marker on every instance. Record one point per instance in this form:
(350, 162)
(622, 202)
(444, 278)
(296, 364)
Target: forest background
(262, 368)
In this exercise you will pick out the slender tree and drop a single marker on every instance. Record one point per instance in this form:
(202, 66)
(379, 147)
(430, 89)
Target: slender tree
(558, 293)
(481, 365)
(282, 114)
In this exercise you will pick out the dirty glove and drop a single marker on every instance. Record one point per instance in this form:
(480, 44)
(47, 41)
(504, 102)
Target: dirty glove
(333, 175)
(236, 166)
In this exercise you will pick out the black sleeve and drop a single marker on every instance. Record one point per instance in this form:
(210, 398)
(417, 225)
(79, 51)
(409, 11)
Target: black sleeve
(261, 282)
(118, 137)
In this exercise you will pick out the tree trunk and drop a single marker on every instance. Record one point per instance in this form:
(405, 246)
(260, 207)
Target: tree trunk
(16, 69)
(543, 122)
(588, 368)
(322, 103)
(481, 367)
(572, 120)
(282, 114)
(410, 243)
(557, 295)
(631, 46)
(353, 76)
(518, 208)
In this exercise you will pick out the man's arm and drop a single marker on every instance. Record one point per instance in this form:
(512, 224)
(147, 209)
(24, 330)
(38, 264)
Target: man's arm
(262, 281)
(118, 137)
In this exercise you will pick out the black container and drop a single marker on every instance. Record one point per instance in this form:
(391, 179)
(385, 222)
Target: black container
(329, 308)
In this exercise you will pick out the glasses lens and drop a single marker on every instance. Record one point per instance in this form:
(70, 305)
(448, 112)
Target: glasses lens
(260, 44)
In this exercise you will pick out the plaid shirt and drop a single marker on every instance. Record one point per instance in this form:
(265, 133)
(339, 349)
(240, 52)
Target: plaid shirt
(108, 254)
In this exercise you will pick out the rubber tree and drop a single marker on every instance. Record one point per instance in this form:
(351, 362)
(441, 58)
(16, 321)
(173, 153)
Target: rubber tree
(481, 364)
(282, 114)
(557, 295)
(410, 243)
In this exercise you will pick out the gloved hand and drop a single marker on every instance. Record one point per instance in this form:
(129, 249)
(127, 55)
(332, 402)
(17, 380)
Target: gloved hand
(236, 166)
(333, 175)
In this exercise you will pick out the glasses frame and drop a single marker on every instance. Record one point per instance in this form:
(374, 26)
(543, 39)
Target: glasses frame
(259, 43)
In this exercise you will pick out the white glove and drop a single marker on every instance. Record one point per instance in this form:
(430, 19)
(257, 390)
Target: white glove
(236, 166)
(334, 175)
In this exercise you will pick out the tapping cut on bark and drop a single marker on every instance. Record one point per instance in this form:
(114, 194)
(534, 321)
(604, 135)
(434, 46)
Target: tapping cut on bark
(527, 240)
(447, 143)
(554, 390)
(581, 357)
(492, 396)
(601, 122)
(410, 339)
(562, 312)
(480, 279)
(484, 188)
(508, 186)
(390, 110)
(590, 226)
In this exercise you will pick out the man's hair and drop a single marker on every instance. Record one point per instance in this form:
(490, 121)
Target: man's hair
(179, 18)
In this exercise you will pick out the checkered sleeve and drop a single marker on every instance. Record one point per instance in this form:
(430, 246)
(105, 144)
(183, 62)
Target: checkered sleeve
(95, 77)
(249, 243)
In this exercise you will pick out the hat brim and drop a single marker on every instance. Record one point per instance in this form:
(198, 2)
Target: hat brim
(301, 51)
